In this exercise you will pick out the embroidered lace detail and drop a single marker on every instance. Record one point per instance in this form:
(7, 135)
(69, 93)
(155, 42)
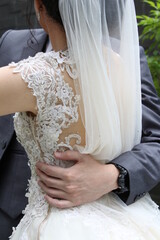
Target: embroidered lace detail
(41, 136)
(57, 109)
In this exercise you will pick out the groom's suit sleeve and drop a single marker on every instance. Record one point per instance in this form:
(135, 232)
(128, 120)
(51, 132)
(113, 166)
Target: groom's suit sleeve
(143, 162)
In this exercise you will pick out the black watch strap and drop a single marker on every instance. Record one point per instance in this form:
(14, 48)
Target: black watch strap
(122, 180)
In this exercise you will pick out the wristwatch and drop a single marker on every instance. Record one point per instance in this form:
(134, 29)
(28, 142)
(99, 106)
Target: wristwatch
(123, 180)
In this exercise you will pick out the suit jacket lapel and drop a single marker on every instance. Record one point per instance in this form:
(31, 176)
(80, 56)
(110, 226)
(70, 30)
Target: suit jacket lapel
(6, 132)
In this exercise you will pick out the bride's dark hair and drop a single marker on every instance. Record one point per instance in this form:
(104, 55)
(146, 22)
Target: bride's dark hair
(52, 7)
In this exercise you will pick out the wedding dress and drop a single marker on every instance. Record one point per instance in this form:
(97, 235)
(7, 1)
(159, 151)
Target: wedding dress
(52, 129)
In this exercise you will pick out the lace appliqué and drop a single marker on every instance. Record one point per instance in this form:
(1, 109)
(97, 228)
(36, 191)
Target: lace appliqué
(57, 107)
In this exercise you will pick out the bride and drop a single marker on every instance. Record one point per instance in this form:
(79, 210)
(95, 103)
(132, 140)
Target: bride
(85, 95)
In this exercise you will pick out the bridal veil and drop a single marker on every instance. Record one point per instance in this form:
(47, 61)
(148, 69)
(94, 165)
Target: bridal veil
(102, 38)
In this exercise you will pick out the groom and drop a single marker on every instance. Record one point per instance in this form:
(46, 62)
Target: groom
(86, 180)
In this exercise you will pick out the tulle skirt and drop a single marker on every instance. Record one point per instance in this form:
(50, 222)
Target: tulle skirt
(105, 219)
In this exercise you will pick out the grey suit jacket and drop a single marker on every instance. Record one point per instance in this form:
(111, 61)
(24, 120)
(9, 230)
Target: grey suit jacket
(142, 163)
(14, 170)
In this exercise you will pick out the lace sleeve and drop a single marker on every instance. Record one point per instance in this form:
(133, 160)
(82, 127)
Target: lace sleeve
(40, 77)
(43, 74)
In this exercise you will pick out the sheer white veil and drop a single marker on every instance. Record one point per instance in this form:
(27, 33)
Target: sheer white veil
(102, 38)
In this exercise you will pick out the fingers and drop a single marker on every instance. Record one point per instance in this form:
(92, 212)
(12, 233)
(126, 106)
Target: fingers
(53, 193)
(61, 204)
(68, 155)
(50, 181)
(52, 171)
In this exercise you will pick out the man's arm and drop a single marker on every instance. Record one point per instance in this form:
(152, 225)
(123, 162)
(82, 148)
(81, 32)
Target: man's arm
(88, 180)
(143, 162)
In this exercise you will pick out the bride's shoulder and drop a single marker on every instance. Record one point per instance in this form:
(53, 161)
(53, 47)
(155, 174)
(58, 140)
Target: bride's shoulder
(60, 62)
(49, 59)
(47, 68)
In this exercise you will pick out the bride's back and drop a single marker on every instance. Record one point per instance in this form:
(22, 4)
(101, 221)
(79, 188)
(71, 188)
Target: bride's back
(76, 128)
(57, 125)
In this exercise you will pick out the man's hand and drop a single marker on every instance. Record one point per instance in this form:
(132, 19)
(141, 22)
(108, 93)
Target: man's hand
(84, 182)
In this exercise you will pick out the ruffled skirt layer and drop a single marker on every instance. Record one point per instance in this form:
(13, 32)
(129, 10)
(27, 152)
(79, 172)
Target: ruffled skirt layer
(105, 219)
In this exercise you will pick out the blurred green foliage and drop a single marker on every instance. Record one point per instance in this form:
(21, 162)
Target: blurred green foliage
(151, 33)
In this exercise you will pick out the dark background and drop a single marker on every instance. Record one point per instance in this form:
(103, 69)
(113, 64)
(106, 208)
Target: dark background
(13, 14)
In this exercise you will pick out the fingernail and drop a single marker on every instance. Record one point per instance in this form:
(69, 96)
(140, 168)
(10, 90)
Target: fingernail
(39, 182)
(46, 197)
(37, 163)
(57, 154)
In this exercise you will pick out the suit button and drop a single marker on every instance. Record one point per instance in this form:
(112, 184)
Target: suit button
(3, 145)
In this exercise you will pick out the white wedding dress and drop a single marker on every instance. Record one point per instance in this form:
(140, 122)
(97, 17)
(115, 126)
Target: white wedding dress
(105, 219)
